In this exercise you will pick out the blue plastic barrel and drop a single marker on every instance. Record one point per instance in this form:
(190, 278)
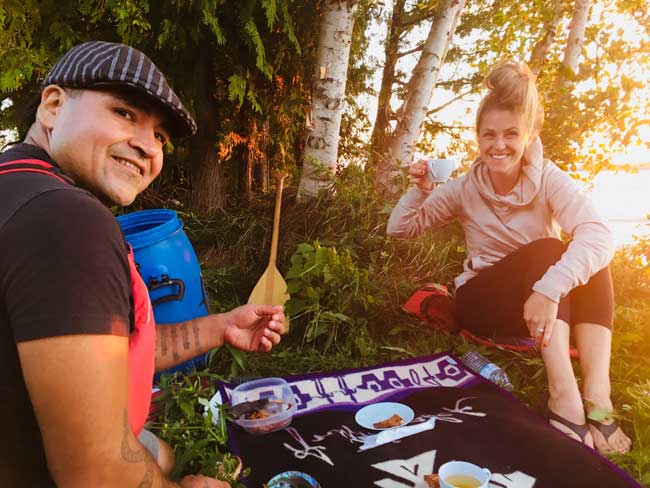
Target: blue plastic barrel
(169, 267)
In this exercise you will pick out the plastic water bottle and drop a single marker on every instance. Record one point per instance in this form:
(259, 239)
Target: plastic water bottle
(481, 365)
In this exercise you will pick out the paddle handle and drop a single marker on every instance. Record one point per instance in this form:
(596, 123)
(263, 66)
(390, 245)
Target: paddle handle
(276, 220)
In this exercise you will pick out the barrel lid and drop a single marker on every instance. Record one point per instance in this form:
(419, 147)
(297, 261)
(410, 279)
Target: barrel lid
(147, 227)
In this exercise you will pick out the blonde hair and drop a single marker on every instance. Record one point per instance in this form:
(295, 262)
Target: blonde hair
(511, 86)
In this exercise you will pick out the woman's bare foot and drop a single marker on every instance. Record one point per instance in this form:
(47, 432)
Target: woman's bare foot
(608, 437)
(569, 419)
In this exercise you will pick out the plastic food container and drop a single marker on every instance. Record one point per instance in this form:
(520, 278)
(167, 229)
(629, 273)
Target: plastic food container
(278, 412)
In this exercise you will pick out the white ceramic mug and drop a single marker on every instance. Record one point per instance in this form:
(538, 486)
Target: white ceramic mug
(441, 169)
(456, 468)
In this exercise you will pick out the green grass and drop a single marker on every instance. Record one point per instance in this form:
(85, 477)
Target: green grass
(370, 328)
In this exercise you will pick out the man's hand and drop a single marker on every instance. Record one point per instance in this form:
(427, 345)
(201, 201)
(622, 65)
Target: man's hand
(540, 314)
(249, 327)
(193, 481)
(254, 327)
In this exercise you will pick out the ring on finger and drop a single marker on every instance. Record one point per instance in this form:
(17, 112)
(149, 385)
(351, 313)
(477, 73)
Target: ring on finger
(540, 330)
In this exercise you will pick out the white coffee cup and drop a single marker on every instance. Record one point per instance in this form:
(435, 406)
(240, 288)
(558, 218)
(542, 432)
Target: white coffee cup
(441, 169)
(458, 468)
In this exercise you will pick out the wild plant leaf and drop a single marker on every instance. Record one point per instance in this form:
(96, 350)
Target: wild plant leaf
(399, 329)
(601, 414)
(186, 455)
(400, 350)
(238, 356)
(315, 330)
(337, 317)
(187, 406)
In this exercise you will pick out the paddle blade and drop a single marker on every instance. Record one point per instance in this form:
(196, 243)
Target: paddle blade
(271, 289)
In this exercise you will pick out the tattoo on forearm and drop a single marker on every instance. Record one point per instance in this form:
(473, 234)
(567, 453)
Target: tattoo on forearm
(174, 332)
(197, 341)
(163, 342)
(137, 455)
(186, 336)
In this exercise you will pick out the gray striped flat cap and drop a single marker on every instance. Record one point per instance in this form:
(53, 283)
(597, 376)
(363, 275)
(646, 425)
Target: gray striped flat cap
(99, 64)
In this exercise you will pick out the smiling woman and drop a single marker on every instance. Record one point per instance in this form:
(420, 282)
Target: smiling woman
(502, 140)
(519, 278)
(509, 117)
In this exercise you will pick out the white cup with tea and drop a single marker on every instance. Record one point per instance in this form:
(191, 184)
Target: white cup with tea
(460, 474)
(441, 169)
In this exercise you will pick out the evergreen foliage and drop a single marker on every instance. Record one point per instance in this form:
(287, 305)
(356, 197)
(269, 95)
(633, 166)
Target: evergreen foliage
(236, 64)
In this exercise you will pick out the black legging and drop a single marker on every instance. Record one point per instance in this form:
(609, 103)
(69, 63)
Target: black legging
(492, 303)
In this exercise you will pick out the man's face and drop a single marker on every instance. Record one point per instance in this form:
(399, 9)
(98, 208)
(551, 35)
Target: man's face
(107, 144)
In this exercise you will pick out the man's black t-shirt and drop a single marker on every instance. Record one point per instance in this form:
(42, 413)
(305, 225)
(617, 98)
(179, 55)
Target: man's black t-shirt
(63, 270)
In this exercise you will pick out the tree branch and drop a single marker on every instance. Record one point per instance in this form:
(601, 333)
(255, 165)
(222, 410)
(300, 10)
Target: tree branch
(449, 102)
(410, 51)
(450, 127)
(457, 127)
(416, 16)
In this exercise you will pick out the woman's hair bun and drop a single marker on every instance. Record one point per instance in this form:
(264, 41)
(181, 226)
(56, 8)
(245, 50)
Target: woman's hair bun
(511, 86)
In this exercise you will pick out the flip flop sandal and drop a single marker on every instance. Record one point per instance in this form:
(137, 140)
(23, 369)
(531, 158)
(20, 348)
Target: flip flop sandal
(605, 429)
(581, 430)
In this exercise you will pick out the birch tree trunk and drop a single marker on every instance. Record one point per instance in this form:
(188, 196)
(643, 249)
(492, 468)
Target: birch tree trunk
(576, 36)
(420, 88)
(543, 46)
(328, 96)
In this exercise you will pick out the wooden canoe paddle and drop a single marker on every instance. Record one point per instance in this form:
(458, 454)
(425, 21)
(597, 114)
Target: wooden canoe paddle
(271, 289)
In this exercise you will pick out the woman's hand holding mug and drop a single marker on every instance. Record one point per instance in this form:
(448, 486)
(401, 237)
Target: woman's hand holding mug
(420, 176)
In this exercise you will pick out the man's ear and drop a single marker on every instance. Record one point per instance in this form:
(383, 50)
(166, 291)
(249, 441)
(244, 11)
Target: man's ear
(52, 99)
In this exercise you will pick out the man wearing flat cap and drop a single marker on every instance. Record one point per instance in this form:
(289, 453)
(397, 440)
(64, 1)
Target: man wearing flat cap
(77, 338)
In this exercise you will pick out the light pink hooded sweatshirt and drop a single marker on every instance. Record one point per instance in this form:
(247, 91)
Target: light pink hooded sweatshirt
(496, 225)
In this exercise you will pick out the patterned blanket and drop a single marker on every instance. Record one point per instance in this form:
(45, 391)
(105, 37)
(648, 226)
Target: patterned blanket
(476, 421)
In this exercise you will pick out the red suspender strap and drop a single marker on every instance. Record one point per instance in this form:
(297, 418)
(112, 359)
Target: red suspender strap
(10, 167)
(142, 351)
(35, 162)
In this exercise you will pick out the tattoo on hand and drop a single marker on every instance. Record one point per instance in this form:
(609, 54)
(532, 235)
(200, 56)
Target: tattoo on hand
(186, 336)
(137, 455)
(174, 332)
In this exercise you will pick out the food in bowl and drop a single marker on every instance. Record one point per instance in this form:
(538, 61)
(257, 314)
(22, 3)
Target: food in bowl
(263, 405)
(392, 421)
